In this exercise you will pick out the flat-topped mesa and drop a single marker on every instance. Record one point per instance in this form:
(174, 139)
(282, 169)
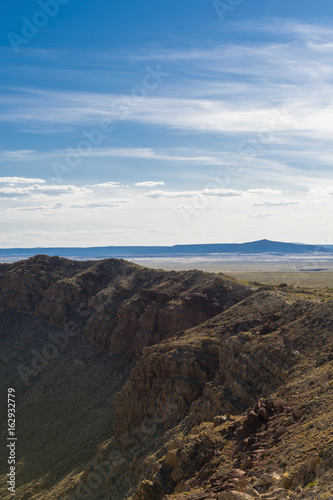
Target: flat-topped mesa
(120, 306)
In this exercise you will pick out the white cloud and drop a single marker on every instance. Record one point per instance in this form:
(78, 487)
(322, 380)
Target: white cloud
(218, 192)
(281, 203)
(93, 206)
(47, 190)
(109, 184)
(192, 194)
(295, 72)
(320, 192)
(138, 153)
(265, 215)
(148, 154)
(149, 183)
(266, 191)
(20, 154)
(265, 107)
(21, 180)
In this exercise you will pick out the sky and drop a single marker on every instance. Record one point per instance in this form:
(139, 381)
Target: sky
(162, 123)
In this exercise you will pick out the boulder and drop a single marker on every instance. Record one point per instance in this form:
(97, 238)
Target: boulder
(171, 459)
(177, 474)
(146, 490)
(267, 480)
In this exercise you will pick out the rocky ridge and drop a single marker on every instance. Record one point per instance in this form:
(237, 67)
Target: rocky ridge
(120, 306)
(260, 347)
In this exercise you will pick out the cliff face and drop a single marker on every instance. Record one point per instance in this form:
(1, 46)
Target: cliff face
(253, 350)
(223, 365)
(119, 306)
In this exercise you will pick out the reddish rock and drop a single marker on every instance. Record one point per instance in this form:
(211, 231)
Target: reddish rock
(236, 473)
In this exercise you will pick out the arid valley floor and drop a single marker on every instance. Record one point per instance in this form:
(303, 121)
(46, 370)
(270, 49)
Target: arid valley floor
(297, 272)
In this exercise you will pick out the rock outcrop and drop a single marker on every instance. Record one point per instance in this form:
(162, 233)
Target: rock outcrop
(120, 306)
(218, 368)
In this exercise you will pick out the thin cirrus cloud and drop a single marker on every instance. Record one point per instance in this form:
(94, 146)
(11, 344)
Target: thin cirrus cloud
(21, 180)
(283, 88)
(148, 154)
(20, 154)
(192, 194)
(93, 206)
(218, 192)
(109, 184)
(295, 71)
(303, 115)
(149, 183)
(265, 215)
(135, 153)
(264, 191)
(281, 203)
(44, 190)
(262, 102)
(205, 115)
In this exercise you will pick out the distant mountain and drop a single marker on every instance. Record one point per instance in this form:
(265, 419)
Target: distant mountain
(261, 246)
(254, 247)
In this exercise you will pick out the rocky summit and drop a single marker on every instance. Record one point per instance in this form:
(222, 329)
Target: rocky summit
(141, 384)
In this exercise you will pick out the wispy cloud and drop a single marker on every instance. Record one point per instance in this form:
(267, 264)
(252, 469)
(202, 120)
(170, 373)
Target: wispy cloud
(109, 184)
(265, 215)
(264, 191)
(95, 206)
(294, 71)
(149, 183)
(262, 104)
(174, 155)
(21, 180)
(281, 203)
(192, 194)
(20, 154)
(321, 191)
(37, 190)
(209, 193)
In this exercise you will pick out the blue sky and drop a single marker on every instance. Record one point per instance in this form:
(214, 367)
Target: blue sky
(165, 122)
